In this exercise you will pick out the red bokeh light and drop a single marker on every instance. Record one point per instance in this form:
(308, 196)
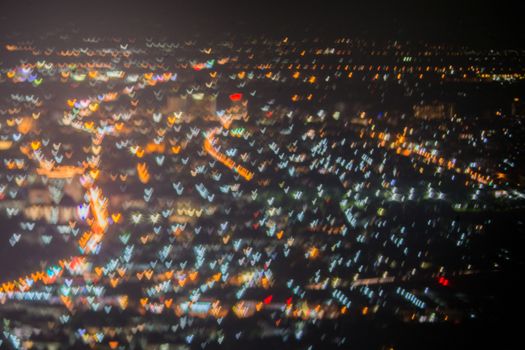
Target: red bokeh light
(236, 97)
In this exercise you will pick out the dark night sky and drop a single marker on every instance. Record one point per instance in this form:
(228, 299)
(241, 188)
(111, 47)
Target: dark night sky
(484, 23)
